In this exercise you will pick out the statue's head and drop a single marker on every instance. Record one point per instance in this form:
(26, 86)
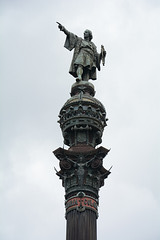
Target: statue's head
(88, 33)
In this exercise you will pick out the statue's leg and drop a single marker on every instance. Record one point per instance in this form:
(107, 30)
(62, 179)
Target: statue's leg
(79, 72)
(85, 74)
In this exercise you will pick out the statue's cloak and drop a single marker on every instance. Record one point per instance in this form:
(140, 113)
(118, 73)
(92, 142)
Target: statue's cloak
(93, 58)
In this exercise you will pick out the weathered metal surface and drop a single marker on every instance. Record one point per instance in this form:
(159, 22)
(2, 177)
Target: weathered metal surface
(82, 171)
(85, 58)
(82, 120)
(83, 117)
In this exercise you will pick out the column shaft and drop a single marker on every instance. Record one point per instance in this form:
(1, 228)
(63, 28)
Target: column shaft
(81, 225)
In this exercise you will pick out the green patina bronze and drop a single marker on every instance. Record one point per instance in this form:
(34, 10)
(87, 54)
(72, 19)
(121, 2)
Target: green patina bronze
(85, 58)
(82, 120)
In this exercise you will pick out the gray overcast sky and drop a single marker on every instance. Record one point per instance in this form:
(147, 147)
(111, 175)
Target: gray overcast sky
(35, 84)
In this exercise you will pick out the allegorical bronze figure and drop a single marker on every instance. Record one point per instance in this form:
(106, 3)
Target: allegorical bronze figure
(85, 58)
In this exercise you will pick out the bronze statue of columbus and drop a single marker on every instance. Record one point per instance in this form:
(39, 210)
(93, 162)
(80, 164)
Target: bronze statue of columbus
(85, 58)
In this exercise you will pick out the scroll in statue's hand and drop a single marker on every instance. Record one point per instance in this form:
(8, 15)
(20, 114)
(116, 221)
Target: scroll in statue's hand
(103, 54)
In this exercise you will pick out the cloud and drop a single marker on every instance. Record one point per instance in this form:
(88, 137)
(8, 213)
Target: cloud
(34, 86)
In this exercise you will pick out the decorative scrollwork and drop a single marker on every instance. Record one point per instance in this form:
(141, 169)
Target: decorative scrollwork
(64, 164)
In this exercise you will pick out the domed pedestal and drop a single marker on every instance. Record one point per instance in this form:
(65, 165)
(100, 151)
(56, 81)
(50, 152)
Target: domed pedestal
(83, 117)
